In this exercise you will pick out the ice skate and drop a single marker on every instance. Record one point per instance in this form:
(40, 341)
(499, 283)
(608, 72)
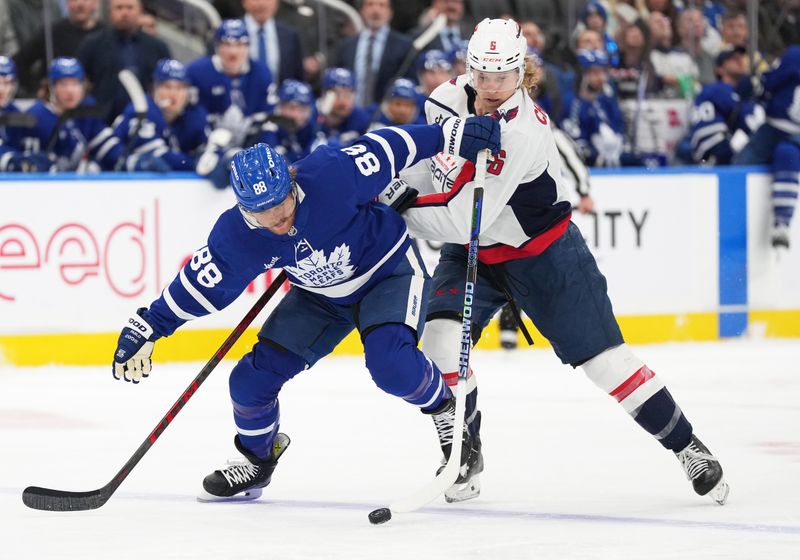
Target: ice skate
(780, 237)
(704, 471)
(243, 479)
(508, 328)
(467, 485)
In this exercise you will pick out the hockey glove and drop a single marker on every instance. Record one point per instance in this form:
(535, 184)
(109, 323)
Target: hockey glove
(467, 137)
(134, 348)
(399, 195)
(147, 162)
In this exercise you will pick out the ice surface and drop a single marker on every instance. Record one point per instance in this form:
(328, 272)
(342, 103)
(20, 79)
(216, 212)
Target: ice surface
(569, 474)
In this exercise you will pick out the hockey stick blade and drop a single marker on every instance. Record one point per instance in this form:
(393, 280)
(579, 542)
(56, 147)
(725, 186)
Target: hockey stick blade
(58, 500)
(48, 499)
(438, 23)
(134, 90)
(449, 474)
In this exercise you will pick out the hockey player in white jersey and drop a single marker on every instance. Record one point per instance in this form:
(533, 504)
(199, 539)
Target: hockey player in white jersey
(532, 253)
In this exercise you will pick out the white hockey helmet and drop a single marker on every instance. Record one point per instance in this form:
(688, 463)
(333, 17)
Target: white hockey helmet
(497, 45)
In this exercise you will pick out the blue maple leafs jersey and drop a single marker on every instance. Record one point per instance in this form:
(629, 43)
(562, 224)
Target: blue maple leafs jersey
(291, 145)
(342, 242)
(717, 114)
(179, 143)
(10, 137)
(584, 119)
(86, 136)
(781, 87)
(351, 128)
(217, 92)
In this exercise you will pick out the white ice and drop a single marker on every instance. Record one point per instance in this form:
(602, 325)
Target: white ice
(568, 474)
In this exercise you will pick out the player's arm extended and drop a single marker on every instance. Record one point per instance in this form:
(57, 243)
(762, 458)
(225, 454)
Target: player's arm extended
(211, 280)
(374, 159)
(446, 216)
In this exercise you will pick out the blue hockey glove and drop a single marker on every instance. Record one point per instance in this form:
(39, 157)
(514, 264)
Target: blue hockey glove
(148, 162)
(467, 137)
(134, 348)
(399, 195)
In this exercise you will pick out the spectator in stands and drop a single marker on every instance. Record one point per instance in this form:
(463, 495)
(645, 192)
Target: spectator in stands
(700, 41)
(545, 14)
(70, 127)
(25, 18)
(294, 134)
(634, 78)
(721, 120)
(454, 32)
(376, 54)
(233, 88)
(677, 72)
(120, 46)
(67, 35)
(666, 8)
(594, 120)
(736, 32)
(549, 89)
(433, 69)
(589, 40)
(340, 120)
(272, 42)
(148, 23)
(595, 18)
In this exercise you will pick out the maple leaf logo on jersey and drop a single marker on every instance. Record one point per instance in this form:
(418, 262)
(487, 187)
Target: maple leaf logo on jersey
(315, 269)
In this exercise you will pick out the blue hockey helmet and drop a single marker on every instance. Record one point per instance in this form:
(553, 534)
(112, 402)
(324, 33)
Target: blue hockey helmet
(232, 30)
(260, 178)
(169, 69)
(459, 51)
(295, 91)
(433, 59)
(7, 68)
(589, 58)
(65, 67)
(403, 88)
(338, 77)
(594, 7)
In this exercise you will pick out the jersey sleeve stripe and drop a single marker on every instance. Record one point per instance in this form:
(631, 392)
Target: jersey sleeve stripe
(106, 147)
(410, 144)
(195, 293)
(179, 313)
(386, 148)
(104, 135)
(441, 106)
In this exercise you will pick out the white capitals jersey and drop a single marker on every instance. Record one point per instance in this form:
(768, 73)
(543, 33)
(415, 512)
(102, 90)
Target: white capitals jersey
(525, 207)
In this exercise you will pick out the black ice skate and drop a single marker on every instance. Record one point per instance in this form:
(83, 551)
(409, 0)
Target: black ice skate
(508, 328)
(467, 485)
(780, 237)
(243, 479)
(704, 471)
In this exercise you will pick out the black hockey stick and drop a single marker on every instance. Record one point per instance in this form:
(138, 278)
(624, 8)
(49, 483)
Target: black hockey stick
(79, 112)
(60, 500)
(18, 120)
(448, 475)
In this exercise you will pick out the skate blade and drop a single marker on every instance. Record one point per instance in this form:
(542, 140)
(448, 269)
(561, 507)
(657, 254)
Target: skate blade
(720, 492)
(246, 496)
(463, 492)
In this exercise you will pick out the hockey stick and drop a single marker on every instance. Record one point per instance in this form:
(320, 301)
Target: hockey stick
(419, 43)
(134, 89)
(18, 120)
(447, 477)
(60, 500)
(79, 112)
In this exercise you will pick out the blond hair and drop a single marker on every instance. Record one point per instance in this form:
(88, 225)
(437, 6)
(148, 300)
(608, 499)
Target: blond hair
(532, 75)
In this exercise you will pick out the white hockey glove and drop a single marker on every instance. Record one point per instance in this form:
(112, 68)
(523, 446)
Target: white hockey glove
(399, 195)
(608, 145)
(134, 348)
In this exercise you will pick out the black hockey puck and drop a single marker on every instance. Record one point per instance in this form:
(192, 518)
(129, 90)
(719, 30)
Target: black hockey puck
(380, 515)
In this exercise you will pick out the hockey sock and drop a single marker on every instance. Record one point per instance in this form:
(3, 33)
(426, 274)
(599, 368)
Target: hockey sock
(399, 368)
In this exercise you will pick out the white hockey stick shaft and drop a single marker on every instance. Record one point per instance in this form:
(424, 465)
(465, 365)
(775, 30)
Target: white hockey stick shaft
(139, 101)
(449, 474)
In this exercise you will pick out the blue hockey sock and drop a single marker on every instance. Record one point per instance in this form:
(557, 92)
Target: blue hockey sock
(399, 368)
(663, 418)
(785, 169)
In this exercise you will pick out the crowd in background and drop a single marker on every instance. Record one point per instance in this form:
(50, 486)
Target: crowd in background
(268, 77)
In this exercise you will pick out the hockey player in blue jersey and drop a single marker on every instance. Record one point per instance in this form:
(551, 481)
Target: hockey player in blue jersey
(11, 156)
(70, 141)
(594, 119)
(777, 142)
(720, 118)
(234, 89)
(402, 105)
(340, 121)
(294, 137)
(351, 264)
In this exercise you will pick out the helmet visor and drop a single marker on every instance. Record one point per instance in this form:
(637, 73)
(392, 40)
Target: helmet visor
(494, 81)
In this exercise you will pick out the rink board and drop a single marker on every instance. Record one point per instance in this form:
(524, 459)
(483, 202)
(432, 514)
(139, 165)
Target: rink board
(77, 256)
